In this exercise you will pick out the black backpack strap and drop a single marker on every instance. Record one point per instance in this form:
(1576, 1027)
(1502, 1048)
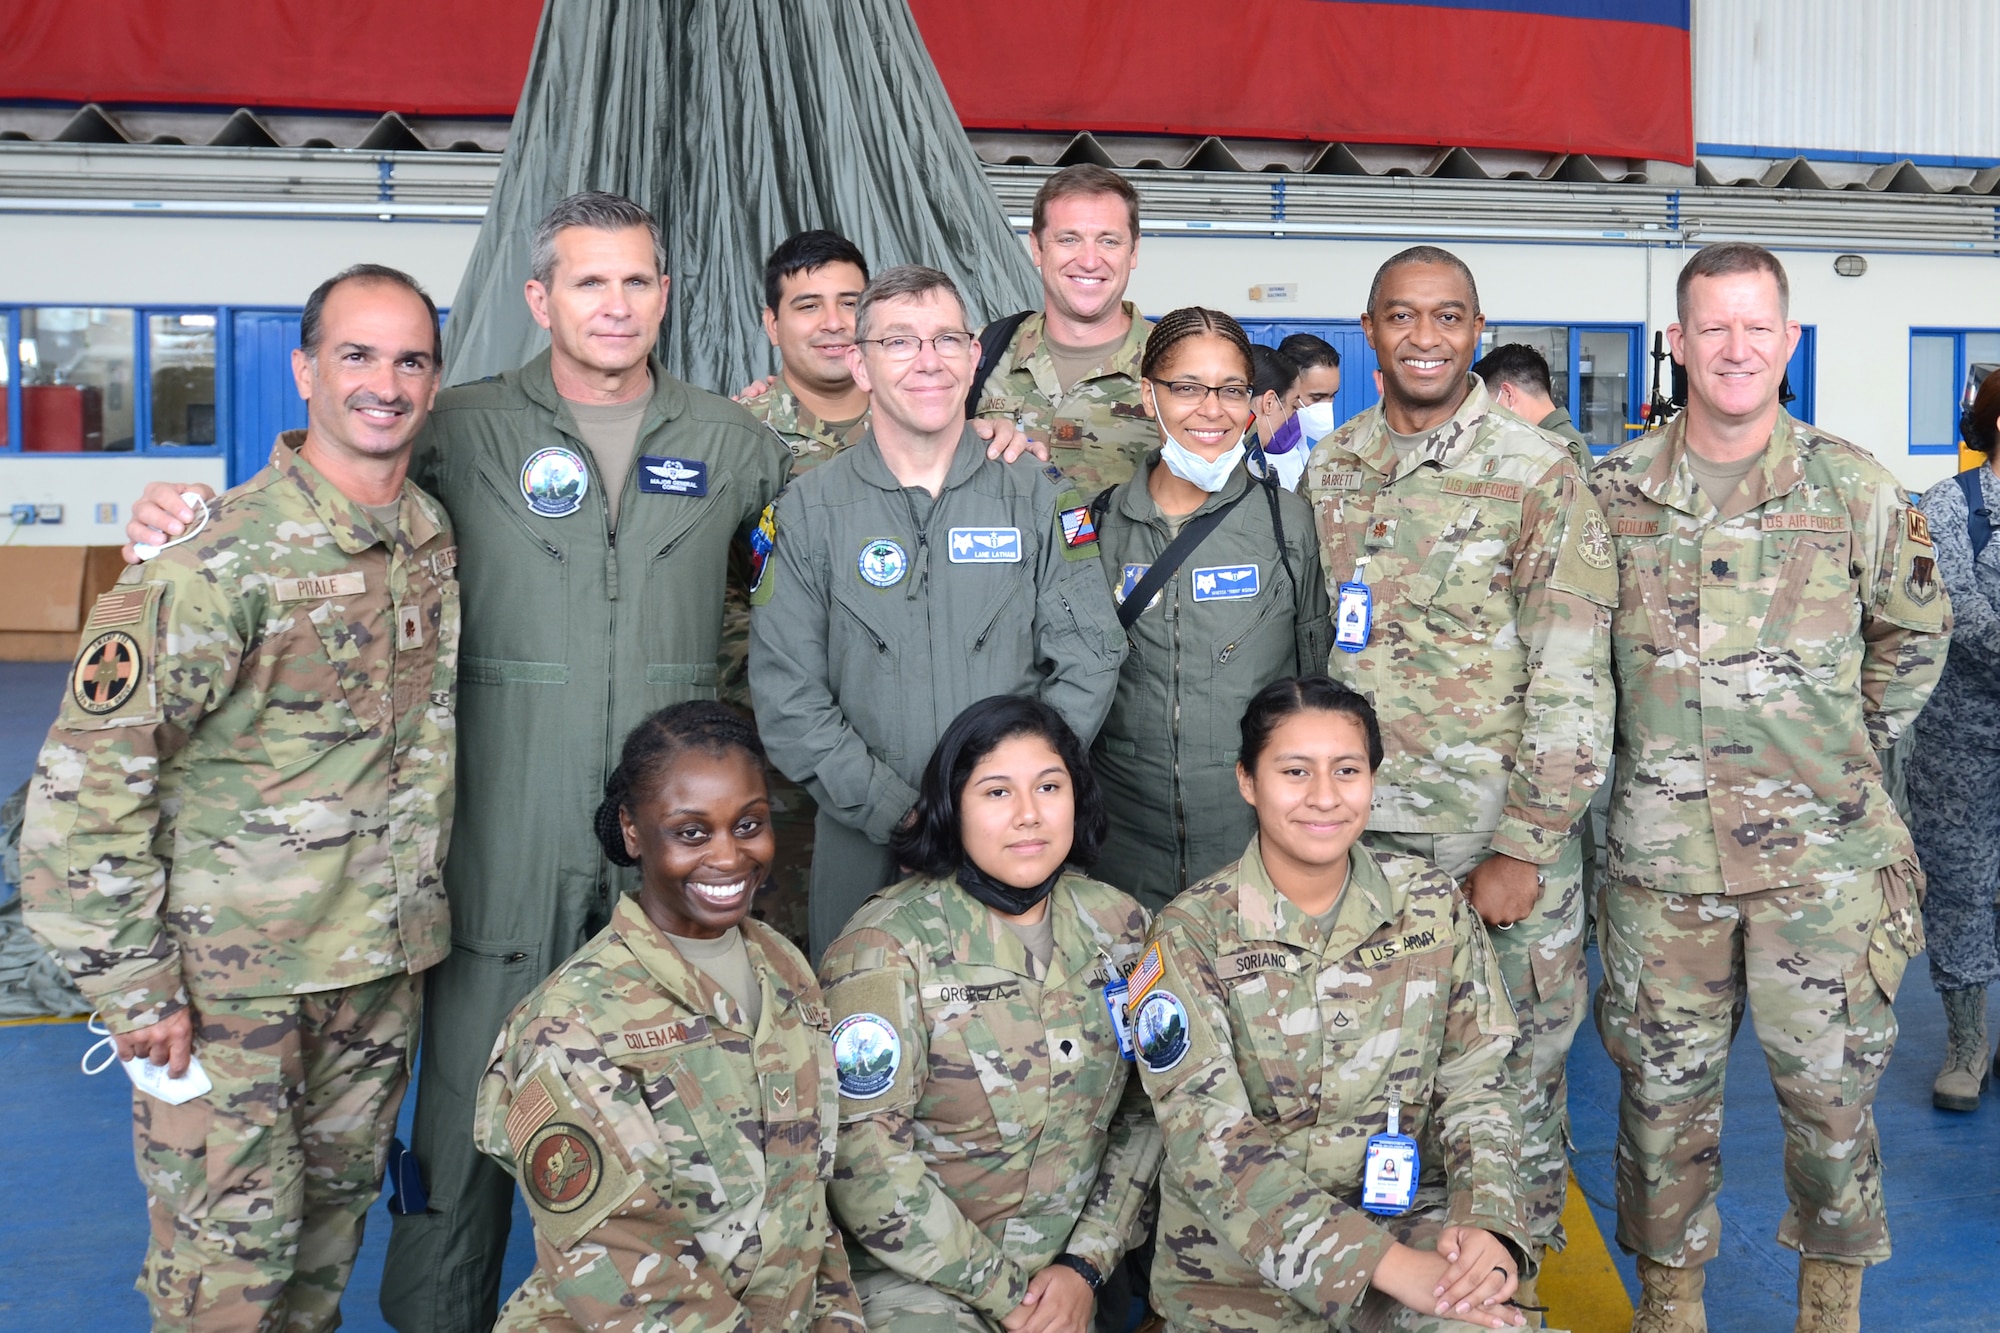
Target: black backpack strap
(1978, 518)
(1171, 559)
(1100, 505)
(1270, 485)
(994, 340)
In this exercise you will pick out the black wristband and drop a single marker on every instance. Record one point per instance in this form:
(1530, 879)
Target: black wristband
(1084, 1269)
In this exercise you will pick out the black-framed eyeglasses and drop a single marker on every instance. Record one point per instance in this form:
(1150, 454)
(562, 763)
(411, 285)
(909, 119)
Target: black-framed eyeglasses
(905, 347)
(1193, 393)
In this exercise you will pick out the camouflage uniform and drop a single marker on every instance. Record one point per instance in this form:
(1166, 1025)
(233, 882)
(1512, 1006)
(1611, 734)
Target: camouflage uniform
(1764, 653)
(1010, 1132)
(782, 903)
(1489, 665)
(673, 1159)
(242, 809)
(1099, 432)
(1297, 1039)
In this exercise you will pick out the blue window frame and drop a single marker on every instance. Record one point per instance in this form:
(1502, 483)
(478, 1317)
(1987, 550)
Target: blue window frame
(1594, 370)
(1357, 359)
(85, 381)
(1801, 373)
(1946, 368)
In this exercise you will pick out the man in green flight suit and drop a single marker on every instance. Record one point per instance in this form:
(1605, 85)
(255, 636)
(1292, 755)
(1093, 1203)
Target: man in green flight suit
(911, 577)
(1069, 375)
(1518, 378)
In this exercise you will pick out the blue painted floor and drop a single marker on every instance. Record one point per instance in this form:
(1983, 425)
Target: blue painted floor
(75, 1229)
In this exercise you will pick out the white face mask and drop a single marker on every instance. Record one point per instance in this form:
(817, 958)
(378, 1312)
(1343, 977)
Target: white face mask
(1192, 468)
(1315, 420)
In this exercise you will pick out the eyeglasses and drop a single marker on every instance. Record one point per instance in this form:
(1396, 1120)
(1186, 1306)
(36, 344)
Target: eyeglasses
(902, 347)
(1193, 393)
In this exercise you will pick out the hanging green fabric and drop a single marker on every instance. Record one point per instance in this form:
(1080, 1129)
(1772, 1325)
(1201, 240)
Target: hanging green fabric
(738, 123)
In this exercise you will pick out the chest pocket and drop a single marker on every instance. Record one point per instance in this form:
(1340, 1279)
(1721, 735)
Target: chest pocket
(328, 681)
(1813, 613)
(1383, 1033)
(975, 1095)
(1006, 617)
(697, 1098)
(1274, 1019)
(1453, 584)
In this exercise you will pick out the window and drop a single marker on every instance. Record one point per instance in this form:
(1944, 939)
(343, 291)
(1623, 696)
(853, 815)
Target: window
(109, 379)
(1947, 367)
(1601, 360)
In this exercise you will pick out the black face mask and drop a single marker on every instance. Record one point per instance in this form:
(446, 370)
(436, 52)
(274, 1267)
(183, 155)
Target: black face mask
(1004, 898)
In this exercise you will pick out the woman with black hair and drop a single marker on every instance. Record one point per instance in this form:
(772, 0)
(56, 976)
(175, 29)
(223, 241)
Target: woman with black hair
(667, 1099)
(994, 1150)
(1224, 566)
(1954, 761)
(1324, 1031)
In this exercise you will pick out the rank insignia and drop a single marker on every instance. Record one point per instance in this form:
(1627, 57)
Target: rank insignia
(107, 672)
(1068, 432)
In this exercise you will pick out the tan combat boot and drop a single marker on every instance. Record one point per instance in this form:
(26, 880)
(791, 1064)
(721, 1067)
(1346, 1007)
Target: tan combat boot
(1829, 1296)
(1669, 1300)
(1964, 1075)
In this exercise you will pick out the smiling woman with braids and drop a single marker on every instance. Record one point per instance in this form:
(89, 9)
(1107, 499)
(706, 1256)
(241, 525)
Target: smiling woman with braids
(667, 1100)
(1228, 565)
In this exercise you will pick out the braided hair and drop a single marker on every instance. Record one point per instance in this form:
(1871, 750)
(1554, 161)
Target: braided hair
(1190, 321)
(651, 750)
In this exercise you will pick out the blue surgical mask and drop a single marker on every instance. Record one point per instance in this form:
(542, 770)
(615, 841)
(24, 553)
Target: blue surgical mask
(1192, 468)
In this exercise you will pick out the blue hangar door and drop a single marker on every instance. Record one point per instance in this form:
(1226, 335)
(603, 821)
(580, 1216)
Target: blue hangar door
(1357, 358)
(264, 400)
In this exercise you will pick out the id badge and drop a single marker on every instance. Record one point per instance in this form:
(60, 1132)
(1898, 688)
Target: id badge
(1352, 614)
(1121, 1022)
(1389, 1176)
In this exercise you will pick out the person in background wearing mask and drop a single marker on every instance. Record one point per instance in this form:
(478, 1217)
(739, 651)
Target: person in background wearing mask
(1475, 583)
(1273, 406)
(1319, 368)
(995, 1150)
(1518, 378)
(1955, 765)
(1216, 571)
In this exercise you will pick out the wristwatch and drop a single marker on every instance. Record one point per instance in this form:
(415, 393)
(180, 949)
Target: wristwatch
(1084, 1269)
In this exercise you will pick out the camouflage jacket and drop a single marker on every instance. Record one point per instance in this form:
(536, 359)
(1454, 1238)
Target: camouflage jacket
(1489, 657)
(1273, 1048)
(1764, 653)
(1099, 431)
(1008, 1132)
(811, 443)
(674, 1161)
(248, 791)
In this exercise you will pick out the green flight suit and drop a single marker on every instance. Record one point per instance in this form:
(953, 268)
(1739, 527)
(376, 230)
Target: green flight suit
(1234, 617)
(884, 612)
(571, 639)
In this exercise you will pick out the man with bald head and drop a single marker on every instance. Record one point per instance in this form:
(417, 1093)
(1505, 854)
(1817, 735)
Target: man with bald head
(1472, 581)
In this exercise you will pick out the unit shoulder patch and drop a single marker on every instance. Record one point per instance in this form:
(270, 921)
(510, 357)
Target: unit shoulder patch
(108, 672)
(1586, 562)
(1160, 1031)
(867, 1052)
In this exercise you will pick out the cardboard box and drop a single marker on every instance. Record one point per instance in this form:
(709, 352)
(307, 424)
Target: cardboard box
(45, 593)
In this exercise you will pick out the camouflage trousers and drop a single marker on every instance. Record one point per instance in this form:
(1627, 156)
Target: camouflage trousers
(1541, 957)
(1817, 967)
(258, 1191)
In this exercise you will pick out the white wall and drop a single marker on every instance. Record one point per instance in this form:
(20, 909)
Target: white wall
(1902, 77)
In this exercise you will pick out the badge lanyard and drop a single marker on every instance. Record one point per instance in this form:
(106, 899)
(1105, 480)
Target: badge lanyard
(1353, 612)
(1389, 1182)
(1115, 993)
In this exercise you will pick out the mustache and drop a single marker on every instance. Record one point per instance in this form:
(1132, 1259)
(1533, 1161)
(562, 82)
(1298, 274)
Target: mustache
(365, 398)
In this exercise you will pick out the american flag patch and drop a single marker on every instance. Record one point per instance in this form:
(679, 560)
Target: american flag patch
(532, 1110)
(1078, 530)
(121, 607)
(1152, 966)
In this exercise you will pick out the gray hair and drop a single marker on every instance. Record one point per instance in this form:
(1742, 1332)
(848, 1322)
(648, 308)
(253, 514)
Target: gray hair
(1422, 254)
(903, 282)
(1725, 258)
(598, 210)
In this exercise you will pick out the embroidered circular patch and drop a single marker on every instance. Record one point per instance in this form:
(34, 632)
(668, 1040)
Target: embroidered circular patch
(107, 671)
(866, 1053)
(884, 562)
(562, 1167)
(1161, 1030)
(1594, 542)
(554, 482)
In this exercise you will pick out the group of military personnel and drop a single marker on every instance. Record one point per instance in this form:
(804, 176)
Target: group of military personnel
(236, 838)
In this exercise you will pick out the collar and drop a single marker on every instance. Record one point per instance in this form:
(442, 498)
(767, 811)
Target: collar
(1668, 479)
(687, 985)
(1263, 913)
(354, 529)
(1123, 361)
(983, 939)
(1447, 444)
(870, 466)
(538, 382)
(1555, 420)
(1137, 502)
